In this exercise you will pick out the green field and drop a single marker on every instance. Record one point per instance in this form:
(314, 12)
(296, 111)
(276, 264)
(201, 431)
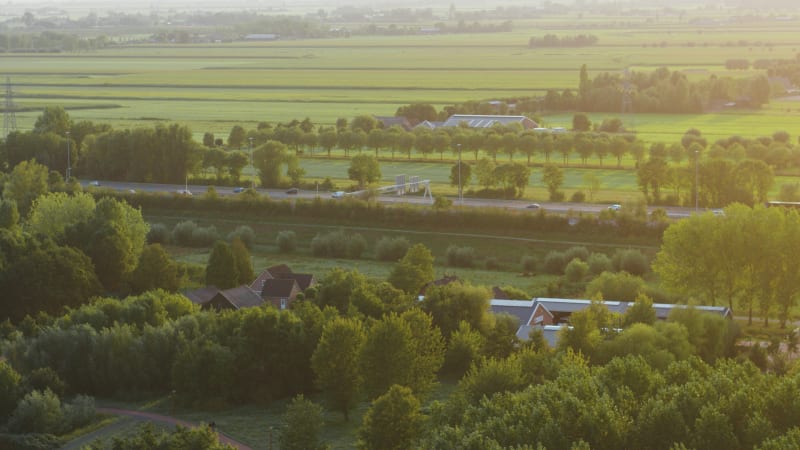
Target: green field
(213, 87)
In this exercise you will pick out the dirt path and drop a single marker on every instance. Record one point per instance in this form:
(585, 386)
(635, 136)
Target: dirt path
(145, 416)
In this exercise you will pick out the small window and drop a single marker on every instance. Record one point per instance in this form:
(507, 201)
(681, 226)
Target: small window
(283, 303)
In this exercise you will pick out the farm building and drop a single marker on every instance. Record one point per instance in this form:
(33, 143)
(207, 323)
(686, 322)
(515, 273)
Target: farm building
(488, 121)
(552, 313)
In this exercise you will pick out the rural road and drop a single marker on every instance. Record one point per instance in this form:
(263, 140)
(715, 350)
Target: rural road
(108, 431)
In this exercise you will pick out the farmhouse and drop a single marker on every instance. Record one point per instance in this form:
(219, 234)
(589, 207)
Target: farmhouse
(276, 285)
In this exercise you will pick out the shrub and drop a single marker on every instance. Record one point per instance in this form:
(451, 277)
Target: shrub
(245, 234)
(460, 256)
(576, 270)
(182, 233)
(80, 412)
(616, 286)
(158, 234)
(491, 263)
(631, 261)
(554, 263)
(391, 249)
(286, 241)
(356, 245)
(578, 197)
(529, 263)
(204, 236)
(577, 252)
(45, 378)
(37, 412)
(599, 263)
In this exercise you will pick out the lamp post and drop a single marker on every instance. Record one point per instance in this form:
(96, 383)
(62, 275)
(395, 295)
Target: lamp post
(69, 168)
(696, 179)
(250, 147)
(460, 195)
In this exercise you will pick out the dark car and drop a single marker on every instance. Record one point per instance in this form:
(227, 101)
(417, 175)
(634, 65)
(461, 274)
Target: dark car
(292, 191)
(534, 206)
(238, 190)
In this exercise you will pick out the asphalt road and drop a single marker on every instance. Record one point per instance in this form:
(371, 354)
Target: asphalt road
(559, 208)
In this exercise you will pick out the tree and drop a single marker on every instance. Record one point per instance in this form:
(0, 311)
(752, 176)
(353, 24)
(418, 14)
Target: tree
(208, 139)
(394, 421)
(54, 119)
(592, 183)
(302, 424)
(581, 122)
(156, 270)
(10, 389)
(454, 303)
(244, 265)
(485, 173)
(414, 270)
(27, 182)
(463, 350)
(364, 169)
(640, 312)
(237, 136)
(336, 363)
(9, 214)
(52, 214)
(221, 270)
(465, 177)
(364, 124)
(269, 159)
(553, 178)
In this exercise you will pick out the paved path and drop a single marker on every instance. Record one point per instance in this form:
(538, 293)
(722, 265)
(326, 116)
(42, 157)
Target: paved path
(143, 416)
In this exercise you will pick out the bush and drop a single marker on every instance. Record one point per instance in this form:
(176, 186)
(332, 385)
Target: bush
(599, 263)
(555, 263)
(158, 234)
(79, 413)
(391, 249)
(182, 233)
(286, 241)
(577, 252)
(356, 246)
(460, 256)
(38, 412)
(245, 234)
(621, 286)
(631, 261)
(204, 236)
(491, 263)
(576, 270)
(578, 197)
(45, 378)
(528, 263)
(30, 441)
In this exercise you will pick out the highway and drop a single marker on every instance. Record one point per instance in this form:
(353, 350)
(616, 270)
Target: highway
(279, 194)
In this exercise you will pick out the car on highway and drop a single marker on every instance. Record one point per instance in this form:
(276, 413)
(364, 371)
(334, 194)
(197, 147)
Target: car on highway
(534, 206)
(238, 190)
(615, 207)
(337, 194)
(292, 191)
(718, 212)
(186, 192)
(94, 183)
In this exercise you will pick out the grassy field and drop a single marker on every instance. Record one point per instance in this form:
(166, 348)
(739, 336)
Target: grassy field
(213, 87)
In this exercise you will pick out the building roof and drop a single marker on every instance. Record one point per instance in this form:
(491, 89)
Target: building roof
(390, 121)
(563, 305)
(428, 124)
(488, 121)
(277, 288)
(550, 333)
(279, 268)
(445, 280)
(258, 284)
(304, 280)
(241, 297)
(202, 295)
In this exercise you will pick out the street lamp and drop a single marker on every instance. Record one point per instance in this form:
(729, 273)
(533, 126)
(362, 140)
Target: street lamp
(460, 195)
(250, 146)
(69, 168)
(696, 178)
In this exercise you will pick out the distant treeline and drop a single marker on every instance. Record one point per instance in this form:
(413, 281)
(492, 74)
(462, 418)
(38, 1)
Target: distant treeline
(551, 40)
(49, 42)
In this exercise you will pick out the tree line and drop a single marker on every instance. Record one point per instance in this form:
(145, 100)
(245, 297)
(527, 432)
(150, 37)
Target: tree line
(552, 40)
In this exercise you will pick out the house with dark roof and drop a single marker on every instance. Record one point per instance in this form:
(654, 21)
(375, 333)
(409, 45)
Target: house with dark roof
(280, 292)
(445, 280)
(488, 121)
(210, 297)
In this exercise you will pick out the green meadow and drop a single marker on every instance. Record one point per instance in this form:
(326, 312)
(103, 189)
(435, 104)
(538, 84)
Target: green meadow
(213, 87)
